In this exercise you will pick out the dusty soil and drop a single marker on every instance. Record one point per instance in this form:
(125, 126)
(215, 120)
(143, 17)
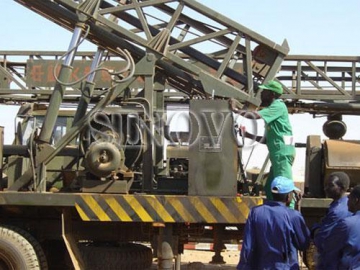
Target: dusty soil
(200, 260)
(196, 259)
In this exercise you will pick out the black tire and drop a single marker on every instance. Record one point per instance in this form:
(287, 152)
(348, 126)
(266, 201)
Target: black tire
(122, 257)
(19, 250)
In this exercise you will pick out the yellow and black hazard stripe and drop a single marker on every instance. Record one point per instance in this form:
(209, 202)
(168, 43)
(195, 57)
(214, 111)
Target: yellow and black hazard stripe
(164, 208)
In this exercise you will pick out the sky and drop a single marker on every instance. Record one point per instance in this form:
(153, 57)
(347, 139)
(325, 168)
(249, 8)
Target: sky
(311, 27)
(322, 27)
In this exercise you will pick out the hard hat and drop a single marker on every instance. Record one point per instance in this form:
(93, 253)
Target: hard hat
(272, 86)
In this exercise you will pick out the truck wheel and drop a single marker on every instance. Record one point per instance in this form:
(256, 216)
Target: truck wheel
(122, 257)
(19, 250)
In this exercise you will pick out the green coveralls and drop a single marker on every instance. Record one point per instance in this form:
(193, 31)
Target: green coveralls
(279, 141)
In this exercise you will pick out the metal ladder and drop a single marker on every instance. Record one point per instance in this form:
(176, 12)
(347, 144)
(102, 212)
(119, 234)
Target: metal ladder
(174, 31)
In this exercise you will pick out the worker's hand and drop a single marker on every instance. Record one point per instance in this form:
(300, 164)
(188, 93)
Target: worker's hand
(234, 105)
(297, 195)
(297, 198)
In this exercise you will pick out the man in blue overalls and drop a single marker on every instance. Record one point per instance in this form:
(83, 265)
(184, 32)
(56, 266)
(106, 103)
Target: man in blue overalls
(273, 232)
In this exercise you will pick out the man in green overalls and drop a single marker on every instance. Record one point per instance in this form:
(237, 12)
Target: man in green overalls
(278, 132)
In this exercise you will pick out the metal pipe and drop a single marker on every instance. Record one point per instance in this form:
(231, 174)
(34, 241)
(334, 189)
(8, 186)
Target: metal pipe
(166, 259)
(23, 151)
(88, 88)
(59, 89)
(73, 46)
(178, 262)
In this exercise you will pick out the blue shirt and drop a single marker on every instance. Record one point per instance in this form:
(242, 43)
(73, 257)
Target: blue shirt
(273, 235)
(344, 243)
(337, 210)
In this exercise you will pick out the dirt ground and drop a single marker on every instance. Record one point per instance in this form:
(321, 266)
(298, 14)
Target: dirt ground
(199, 260)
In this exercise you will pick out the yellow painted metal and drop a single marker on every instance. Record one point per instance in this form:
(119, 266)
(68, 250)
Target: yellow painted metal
(165, 208)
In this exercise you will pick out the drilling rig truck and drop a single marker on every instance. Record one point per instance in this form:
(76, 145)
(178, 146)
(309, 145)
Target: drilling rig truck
(98, 177)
